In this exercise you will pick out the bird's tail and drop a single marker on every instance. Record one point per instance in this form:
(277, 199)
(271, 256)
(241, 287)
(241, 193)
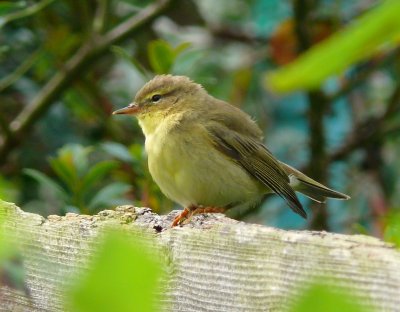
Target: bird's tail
(309, 187)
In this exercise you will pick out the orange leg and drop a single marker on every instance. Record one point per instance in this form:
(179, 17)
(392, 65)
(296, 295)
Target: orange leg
(190, 211)
(181, 217)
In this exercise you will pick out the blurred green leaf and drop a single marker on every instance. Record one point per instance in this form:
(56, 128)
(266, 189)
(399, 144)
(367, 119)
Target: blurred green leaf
(109, 195)
(6, 249)
(8, 191)
(161, 56)
(47, 183)
(392, 229)
(78, 102)
(320, 297)
(117, 150)
(358, 228)
(12, 271)
(182, 47)
(71, 164)
(95, 174)
(124, 276)
(139, 157)
(80, 156)
(65, 171)
(122, 53)
(355, 42)
(81, 181)
(9, 6)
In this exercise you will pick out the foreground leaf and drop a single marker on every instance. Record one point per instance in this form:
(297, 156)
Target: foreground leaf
(392, 229)
(320, 297)
(124, 276)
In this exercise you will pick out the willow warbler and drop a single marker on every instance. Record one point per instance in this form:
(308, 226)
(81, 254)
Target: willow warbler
(208, 155)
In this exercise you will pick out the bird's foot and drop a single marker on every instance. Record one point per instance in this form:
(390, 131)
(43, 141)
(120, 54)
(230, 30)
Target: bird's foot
(181, 217)
(186, 215)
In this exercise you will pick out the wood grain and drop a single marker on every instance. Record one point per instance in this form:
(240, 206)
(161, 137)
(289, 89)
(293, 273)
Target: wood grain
(213, 263)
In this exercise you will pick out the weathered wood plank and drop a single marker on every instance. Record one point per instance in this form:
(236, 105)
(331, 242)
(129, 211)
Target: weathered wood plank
(216, 264)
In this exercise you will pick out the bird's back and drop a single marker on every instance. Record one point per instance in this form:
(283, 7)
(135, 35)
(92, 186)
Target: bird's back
(232, 118)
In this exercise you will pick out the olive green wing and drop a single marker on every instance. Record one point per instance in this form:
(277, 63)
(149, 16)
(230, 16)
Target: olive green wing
(257, 160)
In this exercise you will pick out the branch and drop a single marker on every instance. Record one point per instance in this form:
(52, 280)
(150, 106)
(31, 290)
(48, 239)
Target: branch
(125, 29)
(4, 127)
(234, 34)
(19, 71)
(100, 18)
(393, 106)
(62, 79)
(213, 263)
(317, 105)
(371, 129)
(24, 12)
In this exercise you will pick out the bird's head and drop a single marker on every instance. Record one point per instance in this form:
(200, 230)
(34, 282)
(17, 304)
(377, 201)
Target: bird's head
(164, 94)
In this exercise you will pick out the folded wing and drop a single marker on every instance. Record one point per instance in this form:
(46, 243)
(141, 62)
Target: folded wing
(255, 158)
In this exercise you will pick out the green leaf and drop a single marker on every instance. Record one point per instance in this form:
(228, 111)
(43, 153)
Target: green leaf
(355, 42)
(117, 150)
(71, 164)
(139, 157)
(8, 191)
(66, 171)
(47, 183)
(182, 47)
(320, 297)
(161, 56)
(95, 174)
(9, 6)
(124, 276)
(12, 271)
(80, 156)
(121, 53)
(392, 229)
(110, 195)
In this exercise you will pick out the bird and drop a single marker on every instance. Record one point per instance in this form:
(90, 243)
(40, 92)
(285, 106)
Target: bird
(208, 155)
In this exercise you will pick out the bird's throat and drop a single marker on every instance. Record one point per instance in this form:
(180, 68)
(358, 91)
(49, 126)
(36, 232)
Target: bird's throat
(157, 124)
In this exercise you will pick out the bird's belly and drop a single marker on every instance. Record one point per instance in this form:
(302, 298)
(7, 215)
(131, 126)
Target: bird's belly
(190, 174)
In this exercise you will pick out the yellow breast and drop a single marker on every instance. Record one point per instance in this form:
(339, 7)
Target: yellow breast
(189, 170)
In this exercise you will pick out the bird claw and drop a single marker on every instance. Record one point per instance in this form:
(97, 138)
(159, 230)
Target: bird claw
(190, 211)
(181, 217)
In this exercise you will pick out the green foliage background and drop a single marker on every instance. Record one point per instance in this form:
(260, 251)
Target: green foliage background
(61, 150)
(66, 65)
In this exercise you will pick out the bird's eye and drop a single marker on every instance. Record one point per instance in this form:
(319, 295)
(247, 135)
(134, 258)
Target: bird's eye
(156, 98)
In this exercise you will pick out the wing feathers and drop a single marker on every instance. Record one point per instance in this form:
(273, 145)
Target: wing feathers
(255, 158)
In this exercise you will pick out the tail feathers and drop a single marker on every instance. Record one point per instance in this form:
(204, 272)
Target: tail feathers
(311, 188)
(318, 192)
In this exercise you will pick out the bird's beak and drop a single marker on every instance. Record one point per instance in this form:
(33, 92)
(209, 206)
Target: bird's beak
(131, 109)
